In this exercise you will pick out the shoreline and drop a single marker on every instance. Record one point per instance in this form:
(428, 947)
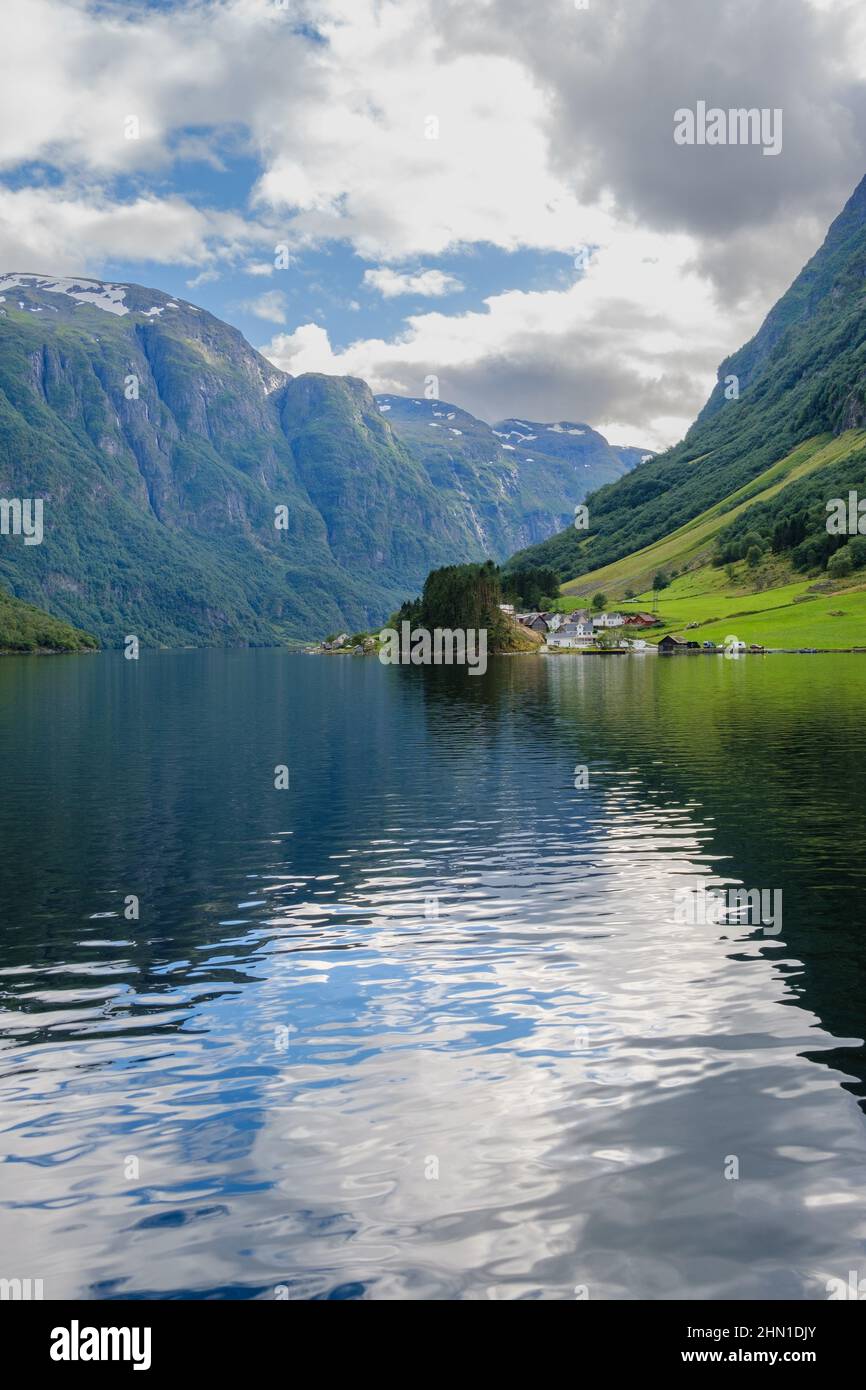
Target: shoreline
(716, 651)
(538, 651)
(623, 651)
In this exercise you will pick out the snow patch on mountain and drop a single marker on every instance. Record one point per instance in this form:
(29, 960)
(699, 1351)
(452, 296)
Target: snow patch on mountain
(95, 292)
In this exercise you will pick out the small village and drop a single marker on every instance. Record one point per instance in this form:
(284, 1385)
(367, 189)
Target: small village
(596, 634)
(610, 633)
(582, 630)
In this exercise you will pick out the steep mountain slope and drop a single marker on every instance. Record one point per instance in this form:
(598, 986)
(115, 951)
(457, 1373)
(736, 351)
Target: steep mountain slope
(24, 628)
(165, 450)
(520, 479)
(699, 538)
(801, 376)
(162, 443)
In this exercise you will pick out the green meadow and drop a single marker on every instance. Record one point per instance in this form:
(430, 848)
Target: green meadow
(790, 615)
(768, 604)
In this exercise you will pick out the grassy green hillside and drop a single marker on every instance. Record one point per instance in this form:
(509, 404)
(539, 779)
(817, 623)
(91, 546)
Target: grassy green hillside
(783, 432)
(766, 602)
(796, 614)
(24, 628)
(693, 542)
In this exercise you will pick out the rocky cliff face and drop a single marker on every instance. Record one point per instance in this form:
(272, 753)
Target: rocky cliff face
(520, 478)
(163, 446)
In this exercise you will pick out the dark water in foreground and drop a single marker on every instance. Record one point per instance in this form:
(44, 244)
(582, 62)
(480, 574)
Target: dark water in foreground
(290, 1073)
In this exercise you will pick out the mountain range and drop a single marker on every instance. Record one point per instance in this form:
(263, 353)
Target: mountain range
(165, 447)
(195, 494)
(521, 478)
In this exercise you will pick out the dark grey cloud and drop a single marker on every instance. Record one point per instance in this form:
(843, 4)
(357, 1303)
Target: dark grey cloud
(614, 75)
(574, 376)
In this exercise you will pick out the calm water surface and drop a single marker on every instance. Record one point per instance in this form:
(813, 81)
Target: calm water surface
(424, 1024)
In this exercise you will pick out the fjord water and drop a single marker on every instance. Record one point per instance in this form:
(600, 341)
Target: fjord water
(424, 1024)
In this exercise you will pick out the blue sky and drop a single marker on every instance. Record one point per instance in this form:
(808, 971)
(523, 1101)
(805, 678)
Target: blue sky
(435, 170)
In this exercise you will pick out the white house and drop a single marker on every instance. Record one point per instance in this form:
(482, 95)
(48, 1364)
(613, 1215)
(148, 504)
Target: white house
(579, 634)
(608, 620)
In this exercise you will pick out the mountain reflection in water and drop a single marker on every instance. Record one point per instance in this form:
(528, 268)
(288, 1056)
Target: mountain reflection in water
(425, 1025)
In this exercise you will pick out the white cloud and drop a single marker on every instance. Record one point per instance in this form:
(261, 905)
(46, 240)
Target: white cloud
(550, 136)
(270, 306)
(340, 128)
(60, 230)
(535, 123)
(80, 72)
(431, 284)
(205, 277)
(365, 170)
(631, 347)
